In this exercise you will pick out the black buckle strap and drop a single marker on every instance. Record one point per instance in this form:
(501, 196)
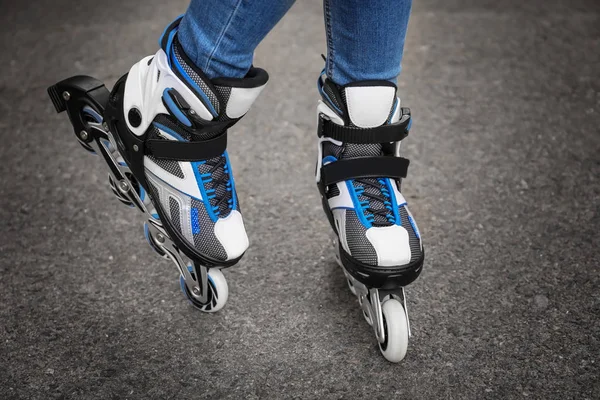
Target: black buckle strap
(382, 134)
(200, 126)
(364, 167)
(187, 151)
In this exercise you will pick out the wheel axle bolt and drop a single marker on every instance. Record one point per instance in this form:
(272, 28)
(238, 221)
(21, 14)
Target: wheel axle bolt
(123, 186)
(83, 135)
(66, 95)
(160, 237)
(196, 290)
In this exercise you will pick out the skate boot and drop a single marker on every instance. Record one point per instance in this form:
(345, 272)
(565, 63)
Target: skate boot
(163, 133)
(359, 173)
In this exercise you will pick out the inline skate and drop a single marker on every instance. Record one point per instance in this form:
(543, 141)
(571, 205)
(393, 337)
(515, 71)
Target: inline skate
(359, 174)
(162, 130)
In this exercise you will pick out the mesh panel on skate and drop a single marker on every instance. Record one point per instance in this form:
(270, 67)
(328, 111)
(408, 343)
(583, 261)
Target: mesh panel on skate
(175, 214)
(170, 166)
(194, 76)
(223, 93)
(331, 149)
(173, 125)
(343, 95)
(359, 245)
(415, 243)
(205, 241)
(329, 92)
(154, 192)
(352, 150)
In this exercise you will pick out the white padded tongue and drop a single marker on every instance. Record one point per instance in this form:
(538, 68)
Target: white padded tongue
(369, 106)
(241, 99)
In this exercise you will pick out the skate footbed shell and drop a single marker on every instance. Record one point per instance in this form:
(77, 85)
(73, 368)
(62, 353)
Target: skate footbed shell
(382, 277)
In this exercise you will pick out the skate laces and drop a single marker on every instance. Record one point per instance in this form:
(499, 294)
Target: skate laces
(373, 194)
(375, 199)
(369, 196)
(217, 181)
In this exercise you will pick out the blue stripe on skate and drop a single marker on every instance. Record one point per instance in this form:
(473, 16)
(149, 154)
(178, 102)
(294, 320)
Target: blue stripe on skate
(195, 223)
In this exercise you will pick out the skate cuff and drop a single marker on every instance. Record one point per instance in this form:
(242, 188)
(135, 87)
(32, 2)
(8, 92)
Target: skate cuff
(187, 151)
(382, 134)
(364, 167)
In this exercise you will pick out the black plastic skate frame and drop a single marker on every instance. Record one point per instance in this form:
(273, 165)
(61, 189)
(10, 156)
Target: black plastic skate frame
(74, 95)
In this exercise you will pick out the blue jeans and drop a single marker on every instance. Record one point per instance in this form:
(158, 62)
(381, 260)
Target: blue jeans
(365, 39)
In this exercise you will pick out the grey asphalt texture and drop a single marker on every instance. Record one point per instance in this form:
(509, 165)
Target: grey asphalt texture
(504, 183)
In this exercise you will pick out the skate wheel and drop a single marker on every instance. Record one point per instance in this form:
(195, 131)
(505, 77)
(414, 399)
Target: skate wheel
(218, 291)
(395, 328)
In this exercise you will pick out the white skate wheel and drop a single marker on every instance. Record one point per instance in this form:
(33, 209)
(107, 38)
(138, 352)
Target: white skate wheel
(395, 329)
(219, 292)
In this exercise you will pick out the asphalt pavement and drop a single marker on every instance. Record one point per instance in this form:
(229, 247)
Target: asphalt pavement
(504, 183)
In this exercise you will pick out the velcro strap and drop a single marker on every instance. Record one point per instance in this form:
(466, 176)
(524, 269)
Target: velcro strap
(347, 134)
(364, 167)
(187, 151)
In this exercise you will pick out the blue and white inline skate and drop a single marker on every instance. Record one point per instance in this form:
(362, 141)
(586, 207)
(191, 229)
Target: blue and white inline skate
(359, 174)
(162, 130)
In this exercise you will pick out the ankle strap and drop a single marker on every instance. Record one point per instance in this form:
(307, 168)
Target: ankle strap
(382, 134)
(194, 150)
(186, 151)
(364, 167)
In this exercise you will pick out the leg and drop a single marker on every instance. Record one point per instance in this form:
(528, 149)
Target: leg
(220, 36)
(359, 168)
(365, 40)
